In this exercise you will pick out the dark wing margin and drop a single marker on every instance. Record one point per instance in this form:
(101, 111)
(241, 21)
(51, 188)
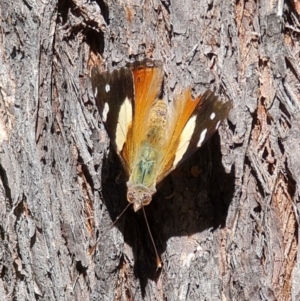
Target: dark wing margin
(111, 90)
(209, 114)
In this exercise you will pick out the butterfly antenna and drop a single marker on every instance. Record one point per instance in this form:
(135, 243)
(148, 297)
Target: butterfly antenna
(92, 249)
(158, 261)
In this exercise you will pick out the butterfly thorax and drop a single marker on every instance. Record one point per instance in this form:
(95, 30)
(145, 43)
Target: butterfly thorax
(142, 181)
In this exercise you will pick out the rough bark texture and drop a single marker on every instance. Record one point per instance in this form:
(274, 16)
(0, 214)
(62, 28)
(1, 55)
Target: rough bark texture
(226, 226)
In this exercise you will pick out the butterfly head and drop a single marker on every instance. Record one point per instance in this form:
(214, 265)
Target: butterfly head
(139, 195)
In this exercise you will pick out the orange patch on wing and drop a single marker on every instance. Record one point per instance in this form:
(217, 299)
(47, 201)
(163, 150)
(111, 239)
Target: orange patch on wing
(147, 87)
(183, 107)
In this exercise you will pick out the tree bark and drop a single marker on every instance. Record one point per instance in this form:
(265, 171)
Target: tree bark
(225, 223)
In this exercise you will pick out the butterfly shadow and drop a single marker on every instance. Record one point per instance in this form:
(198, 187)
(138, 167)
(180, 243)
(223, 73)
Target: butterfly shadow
(193, 198)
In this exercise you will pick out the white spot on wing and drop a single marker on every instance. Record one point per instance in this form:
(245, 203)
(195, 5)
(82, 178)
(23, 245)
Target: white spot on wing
(202, 137)
(105, 112)
(107, 88)
(96, 92)
(184, 139)
(218, 124)
(212, 116)
(124, 121)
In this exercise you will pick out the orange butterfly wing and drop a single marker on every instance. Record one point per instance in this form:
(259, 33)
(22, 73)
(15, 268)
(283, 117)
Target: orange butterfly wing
(147, 87)
(194, 122)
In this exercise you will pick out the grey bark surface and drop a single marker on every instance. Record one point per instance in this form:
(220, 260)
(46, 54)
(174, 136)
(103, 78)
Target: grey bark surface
(225, 223)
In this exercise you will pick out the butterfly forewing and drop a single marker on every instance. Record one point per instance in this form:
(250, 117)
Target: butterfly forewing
(180, 112)
(208, 115)
(200, 120)
(114, 98)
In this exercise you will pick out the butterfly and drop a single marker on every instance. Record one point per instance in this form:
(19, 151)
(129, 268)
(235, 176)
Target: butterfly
(151, 136)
